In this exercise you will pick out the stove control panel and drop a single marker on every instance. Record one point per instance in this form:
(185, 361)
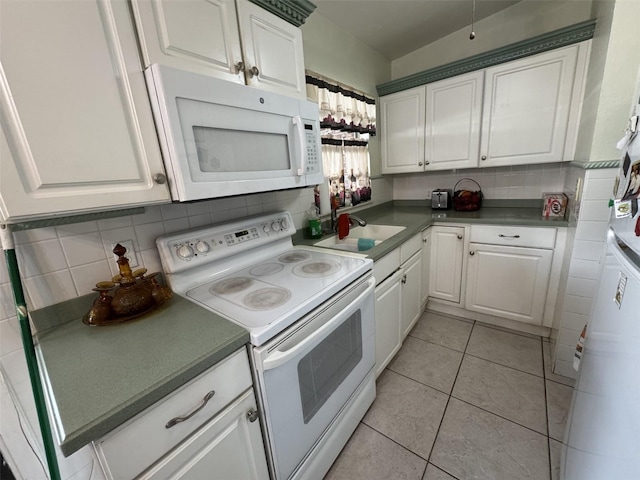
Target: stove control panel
(188, 249)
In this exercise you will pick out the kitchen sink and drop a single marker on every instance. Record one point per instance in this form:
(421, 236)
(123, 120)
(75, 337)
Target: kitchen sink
(350, 243)
(378, 233)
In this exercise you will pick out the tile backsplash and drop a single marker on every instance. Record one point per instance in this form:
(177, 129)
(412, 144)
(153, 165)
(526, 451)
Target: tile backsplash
(527, 181)
(59, 263)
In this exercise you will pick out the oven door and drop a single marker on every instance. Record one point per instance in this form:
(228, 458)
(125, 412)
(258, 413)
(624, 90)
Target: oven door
(307, 374)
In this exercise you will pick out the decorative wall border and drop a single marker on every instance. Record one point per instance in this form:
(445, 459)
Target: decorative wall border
(82, 217)
(542, 43)
(596, 165)
(293, 11)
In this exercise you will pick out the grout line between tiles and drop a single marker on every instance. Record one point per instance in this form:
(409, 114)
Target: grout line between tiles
(442, 470)
(394, 441)
(507, 366)
(546, 411)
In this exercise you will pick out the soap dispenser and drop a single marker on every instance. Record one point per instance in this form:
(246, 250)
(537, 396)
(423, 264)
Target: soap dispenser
(315, 226)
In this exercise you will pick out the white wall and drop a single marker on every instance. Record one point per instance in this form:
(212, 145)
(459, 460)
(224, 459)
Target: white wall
(338, 55)
(611, 79)
(522, 21)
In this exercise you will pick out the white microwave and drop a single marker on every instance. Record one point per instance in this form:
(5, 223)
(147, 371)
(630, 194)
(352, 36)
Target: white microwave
(219, 138)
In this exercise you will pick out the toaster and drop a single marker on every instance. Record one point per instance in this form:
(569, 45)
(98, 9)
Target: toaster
(441, 199)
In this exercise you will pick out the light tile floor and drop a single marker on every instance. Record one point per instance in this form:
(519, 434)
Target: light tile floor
(462, 400)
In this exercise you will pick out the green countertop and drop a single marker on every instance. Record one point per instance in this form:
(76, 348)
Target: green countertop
(416, 216)
(99, 377)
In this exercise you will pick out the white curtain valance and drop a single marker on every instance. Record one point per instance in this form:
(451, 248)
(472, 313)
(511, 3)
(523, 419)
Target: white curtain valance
(341, 107)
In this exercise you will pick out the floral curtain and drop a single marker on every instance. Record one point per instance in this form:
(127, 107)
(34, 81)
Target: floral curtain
(347, 119)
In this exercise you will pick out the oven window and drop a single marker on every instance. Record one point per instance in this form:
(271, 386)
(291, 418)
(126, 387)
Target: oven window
(323, 369)
(223, 150)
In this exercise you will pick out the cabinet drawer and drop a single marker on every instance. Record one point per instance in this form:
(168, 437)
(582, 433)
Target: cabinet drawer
(144, 439)
(514, 236)
(386, 266)
(411, 246)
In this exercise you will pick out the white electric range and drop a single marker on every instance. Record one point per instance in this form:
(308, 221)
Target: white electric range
(310, 315)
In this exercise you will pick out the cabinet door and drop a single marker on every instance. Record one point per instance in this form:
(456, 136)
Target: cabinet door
(508, 282)
(454, 108)
(426, 256)
(445, 272)
(272, 51)
(526, 109)
(411, 293)
(229, 446)
(388, 314)
(77, 130)
(196, 35)
(402, 123)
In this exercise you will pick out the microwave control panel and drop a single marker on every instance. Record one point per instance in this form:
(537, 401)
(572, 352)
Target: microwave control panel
(314, 156)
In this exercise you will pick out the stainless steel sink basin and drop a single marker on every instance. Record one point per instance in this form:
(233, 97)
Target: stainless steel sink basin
(378, 233)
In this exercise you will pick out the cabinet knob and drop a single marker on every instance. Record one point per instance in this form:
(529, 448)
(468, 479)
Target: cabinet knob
(472, 253)
(160, 178)
(239, 67)
(253, 72)
(424, 240)
(252, 415)
(459, 237)
(483, 157)
(419, 164)
(427, 162)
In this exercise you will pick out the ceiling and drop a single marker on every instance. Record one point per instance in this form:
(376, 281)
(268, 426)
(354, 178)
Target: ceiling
(397, 27)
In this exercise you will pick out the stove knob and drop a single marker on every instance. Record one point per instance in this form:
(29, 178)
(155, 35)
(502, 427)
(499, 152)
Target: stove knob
(185, 252)
(284, 223)
(275, 226)
(202, 246)
(266, 229)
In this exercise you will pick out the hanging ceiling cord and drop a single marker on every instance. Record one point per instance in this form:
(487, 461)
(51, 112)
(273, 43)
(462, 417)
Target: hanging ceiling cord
(472, 35)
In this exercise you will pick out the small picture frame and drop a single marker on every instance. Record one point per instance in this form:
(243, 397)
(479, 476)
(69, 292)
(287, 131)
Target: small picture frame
(554, 204)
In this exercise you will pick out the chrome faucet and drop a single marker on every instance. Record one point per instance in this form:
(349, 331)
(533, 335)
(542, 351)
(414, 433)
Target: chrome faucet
(353, 220)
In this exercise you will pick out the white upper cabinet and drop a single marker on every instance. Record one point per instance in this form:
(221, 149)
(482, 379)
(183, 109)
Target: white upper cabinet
(454, 110)
(235, 41)
(201, 36)
(530, 108)
(521, 112)
(402, 143)
(77, 131)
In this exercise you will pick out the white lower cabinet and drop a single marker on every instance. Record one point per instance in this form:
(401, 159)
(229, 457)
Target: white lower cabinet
(426, 265)
(388, 312)
(229, 446)
(398, 298)
(445, 268)
(508, 282)
(411, 293)
(208, 428)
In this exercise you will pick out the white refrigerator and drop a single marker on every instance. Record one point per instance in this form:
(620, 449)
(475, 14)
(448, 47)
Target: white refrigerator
(602, 439)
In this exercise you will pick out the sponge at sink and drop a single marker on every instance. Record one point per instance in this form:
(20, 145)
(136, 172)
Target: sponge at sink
(366, 243)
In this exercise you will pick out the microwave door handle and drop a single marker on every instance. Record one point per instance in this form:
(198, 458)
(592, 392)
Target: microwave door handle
(298, 126)
(280, 357)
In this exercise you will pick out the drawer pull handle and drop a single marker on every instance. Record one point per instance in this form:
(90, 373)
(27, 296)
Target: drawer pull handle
(472, 253)
(509, 236)
(174, 421)
(404, 279)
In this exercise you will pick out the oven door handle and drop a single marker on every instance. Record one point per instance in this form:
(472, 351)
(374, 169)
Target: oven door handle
(280, 357)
